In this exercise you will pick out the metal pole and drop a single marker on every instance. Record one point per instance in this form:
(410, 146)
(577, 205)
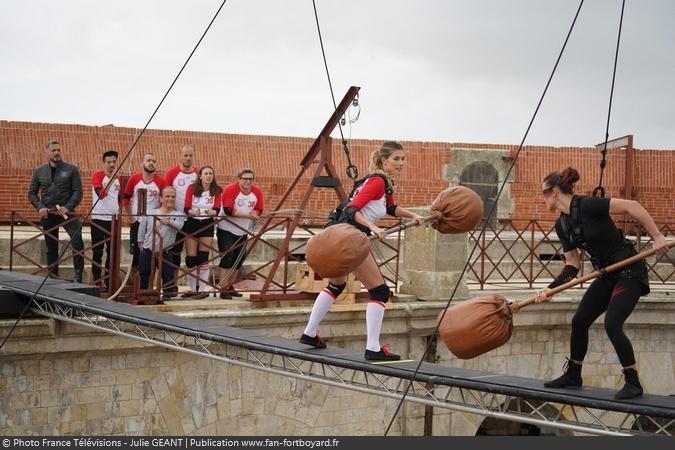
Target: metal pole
(11, 242)
(115, 250)
(628, 194)
(531, 276)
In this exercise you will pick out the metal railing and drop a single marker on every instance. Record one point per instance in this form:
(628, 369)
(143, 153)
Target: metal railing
(19, 255)
(266, 239)
(519, 252)
(509, 252)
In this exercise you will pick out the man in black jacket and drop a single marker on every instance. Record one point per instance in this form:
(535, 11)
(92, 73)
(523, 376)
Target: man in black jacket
(60, 189)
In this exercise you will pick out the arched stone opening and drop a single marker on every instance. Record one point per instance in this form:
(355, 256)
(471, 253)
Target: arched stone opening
(477, 165)
(482, 178)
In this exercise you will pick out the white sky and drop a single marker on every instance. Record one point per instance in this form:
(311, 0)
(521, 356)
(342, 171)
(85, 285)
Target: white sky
(444, 70)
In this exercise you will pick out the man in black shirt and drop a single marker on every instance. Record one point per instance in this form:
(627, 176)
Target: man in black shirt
(55, 190)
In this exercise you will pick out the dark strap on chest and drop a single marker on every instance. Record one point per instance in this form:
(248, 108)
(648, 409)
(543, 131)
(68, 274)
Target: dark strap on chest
(572, 226)
(343, 214)
(388, 188)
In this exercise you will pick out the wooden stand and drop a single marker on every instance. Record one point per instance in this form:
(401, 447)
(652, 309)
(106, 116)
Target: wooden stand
(318, 160)
(306, 280)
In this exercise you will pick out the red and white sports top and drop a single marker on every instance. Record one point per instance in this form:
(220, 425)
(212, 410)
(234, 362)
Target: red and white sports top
(135, 183)
(237, 202)
(371, 199)
(180, 181)
(107, 204)
(202, 203)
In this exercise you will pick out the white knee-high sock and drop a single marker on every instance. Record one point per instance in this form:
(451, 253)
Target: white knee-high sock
(204, 277)
(193, 272)
(374, 316)
(321, 307)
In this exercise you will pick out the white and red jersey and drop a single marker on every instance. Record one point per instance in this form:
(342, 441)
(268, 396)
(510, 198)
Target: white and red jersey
(202, 203)
(107, 204)
(154, 189)
(180, 181)
(235, 201)
(371, 199)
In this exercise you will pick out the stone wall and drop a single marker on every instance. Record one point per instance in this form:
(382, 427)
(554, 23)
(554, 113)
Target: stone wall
(158, 392)
(58, 379)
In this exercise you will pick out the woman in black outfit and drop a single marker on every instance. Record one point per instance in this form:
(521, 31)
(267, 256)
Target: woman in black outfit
(585, 223)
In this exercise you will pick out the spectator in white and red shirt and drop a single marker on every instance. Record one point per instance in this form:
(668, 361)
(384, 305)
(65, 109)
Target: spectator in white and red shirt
(202, 203)
(181, 177)
(152, 183)
(106, 204)
(242, 206)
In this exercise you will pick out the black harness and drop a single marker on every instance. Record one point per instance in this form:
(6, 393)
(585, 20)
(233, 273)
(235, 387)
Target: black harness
(337, 216)
(571, 225)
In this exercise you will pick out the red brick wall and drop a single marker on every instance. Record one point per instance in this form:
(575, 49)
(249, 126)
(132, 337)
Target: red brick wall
(276, 160)
(653, 178)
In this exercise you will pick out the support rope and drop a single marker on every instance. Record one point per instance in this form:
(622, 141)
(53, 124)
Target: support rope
(603, 162)
(124, 160)
(352, 170)
(487, 220)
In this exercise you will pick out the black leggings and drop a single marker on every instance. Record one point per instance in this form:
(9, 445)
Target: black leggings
(617, 296)
(100, 231)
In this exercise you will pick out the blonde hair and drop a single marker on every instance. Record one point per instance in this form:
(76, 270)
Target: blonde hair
(385, 151)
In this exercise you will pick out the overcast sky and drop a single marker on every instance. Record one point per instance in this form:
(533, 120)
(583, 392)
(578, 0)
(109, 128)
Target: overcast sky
(444, 70)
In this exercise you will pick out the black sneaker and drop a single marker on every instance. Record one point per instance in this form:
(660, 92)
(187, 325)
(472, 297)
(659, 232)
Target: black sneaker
(200, 295)
(383, 355)
(315, 341)
(225, 295)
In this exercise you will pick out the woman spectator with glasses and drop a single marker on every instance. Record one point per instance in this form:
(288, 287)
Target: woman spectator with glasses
(242, 206)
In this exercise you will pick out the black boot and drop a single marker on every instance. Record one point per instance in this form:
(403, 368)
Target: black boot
(570, 378)
(632, 388)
